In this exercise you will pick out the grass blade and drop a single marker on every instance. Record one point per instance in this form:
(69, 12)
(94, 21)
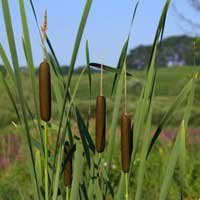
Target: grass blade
(78, 40)
(120, 63)
(171, 165)
(12, 47)
(108, 68)
(10, 95)
(72, 64)
(85, 137)
(175, 105)
(123, 52)
(7, 64)
(29, 58)
(148, 90)
(89, 79)
(77, 172)
(115, 117)
(142, 166)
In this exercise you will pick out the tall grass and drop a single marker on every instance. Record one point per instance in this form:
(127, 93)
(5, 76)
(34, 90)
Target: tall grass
(90, 178)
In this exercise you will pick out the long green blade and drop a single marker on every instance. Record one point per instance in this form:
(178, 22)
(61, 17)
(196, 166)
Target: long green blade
(29, 58)
(171, 166)
(13, 51)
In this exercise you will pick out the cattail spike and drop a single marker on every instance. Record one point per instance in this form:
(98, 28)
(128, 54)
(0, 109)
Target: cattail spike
(126, 142)
(67, 166)
(100, 123)
(44, 26)
(45, 91)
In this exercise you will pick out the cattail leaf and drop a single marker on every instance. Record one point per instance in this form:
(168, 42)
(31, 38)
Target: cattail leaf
(123, 52)
(34, 13)
(145, 100)
(171, 165)
(56, 66)
(91, 187)
(38, 167)
(121, 187)
(77, 171)
(142, 165)
(120, 63)
(78, 40)
(83, 192)
(10, 95)
(30, 63)
(57, 87)
(115, 118)
(85, 137)
(13, 52)
(160, 30)
(72, 103)
(88, 67)
(89, 79)
(70, 132)
(175, 105)
(59, 143)
(54, 55)
(133, 17)
(108, 68)
(182, 156)
(58, 169)
(7, 64)
(72, 63)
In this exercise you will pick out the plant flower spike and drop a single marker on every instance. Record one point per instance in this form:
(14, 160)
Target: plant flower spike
(100, 118)
(45, 103)
(126, 139)
(45, 82)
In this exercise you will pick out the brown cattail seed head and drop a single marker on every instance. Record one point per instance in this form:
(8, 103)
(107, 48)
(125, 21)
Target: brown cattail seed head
(126, 142)
(100, 123)
(45, 91)
(67, 166)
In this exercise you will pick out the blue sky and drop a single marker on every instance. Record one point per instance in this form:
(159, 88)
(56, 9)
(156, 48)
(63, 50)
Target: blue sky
(106, 30)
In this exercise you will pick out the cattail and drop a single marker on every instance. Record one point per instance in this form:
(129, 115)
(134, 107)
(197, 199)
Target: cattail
(45, 91)
(126, 142)
(100, 123)
(67, 166)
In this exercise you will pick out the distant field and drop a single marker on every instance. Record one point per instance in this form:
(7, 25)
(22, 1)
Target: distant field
(170, 81)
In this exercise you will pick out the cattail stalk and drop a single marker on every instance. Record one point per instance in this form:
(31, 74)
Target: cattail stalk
(100, 123)
(126, 185)
(46, 162)
(67, 193)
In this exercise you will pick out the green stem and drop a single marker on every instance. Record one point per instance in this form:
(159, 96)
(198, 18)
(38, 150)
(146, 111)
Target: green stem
(46, 162)
(67, 193)
(126, 185)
